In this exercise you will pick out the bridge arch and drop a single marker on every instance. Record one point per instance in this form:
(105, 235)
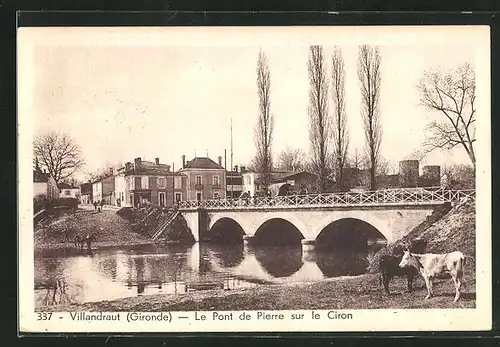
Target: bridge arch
(348, 234)
(381, 225)
(225, 230)
(278, 231)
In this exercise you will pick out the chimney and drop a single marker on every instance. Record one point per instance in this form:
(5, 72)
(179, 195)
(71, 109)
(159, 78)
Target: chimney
(110, 170)
(243, 168)
(236, 168)
(183, 161)
(137, 162)
(127, 166)
(220, 160)
(90, 181)
(157, 161)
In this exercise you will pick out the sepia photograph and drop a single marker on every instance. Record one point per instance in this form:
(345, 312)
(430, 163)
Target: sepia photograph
(260, 170)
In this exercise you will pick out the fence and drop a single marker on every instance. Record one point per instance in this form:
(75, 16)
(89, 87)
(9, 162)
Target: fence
(419, 196)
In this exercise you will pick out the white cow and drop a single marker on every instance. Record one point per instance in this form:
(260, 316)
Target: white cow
(431, 265)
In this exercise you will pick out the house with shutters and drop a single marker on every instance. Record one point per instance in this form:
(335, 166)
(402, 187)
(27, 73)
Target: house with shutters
(145, 182)
(205, 179)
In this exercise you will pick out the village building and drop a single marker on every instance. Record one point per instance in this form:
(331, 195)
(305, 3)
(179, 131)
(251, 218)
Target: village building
(86, 193)
(103, 189)
(144, 182)
(234, 182)
(300, 182)
(69, 191)
(205, 178)
(281, 183)
(44, 184)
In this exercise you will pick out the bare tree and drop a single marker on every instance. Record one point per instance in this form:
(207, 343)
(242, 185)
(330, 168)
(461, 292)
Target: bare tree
(291, 159)
(265, 124)
(340, 132)
(452, 95)
(104, 170)
(370, 80)
(58, 154)
(459, 176)
(320, 123)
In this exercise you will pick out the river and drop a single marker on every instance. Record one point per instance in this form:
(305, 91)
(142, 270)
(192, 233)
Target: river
(63, 277)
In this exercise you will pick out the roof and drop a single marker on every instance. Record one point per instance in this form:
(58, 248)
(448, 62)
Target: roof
(280, 176)
(39, 176)
(63, 185)
(202, 163)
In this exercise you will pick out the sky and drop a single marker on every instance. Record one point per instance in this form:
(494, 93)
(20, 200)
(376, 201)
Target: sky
(164, 99)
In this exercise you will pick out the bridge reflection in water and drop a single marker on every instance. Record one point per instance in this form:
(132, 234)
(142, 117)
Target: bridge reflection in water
(170, 269)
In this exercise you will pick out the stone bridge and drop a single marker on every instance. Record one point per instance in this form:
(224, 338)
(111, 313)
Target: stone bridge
(387, 214)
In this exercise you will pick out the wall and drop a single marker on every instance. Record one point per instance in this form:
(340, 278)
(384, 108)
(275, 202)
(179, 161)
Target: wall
(97, 191)
(120, 189)
(39, 188)
(249, 182)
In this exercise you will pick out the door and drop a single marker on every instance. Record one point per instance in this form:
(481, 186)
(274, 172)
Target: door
(162, 199)
(198, 196)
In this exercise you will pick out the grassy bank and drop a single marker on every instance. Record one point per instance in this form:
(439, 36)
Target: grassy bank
(59, 230)
(361, 292)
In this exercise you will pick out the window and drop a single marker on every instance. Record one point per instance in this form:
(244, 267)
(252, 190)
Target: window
(177, 182)
(248, 180)
(162, 182)
(198, 180)
(67, 192)
(153, 182)
(161, 198)
(123, 198)
(198, 196)
(216, 194)
(216, 180)
(144, 182)
(137, 182)
(178, 197)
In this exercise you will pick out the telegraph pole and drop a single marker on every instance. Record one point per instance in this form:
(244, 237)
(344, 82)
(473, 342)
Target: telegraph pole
(173, 184)
(231, 167)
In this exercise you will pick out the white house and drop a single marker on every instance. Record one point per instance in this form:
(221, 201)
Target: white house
(249, 178)
(120, 189)
(69, 191)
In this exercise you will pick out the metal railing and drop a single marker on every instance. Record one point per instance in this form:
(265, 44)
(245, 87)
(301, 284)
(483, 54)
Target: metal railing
(418, 196)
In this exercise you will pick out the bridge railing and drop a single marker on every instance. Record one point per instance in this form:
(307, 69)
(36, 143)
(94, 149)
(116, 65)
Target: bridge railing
(380, 197)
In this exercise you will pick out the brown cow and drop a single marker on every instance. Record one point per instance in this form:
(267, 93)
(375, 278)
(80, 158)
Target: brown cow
(432, 265)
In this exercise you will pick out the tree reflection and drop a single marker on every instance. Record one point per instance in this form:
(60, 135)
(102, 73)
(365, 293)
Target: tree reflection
(279, 261)
(56, 293)
(228, 255)
(338, 263)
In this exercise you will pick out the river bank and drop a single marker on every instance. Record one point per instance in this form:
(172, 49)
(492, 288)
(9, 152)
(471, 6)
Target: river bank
(58, 231)
(361, 292)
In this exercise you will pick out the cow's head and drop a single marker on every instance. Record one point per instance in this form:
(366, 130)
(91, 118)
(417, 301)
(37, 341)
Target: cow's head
(407, 260)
